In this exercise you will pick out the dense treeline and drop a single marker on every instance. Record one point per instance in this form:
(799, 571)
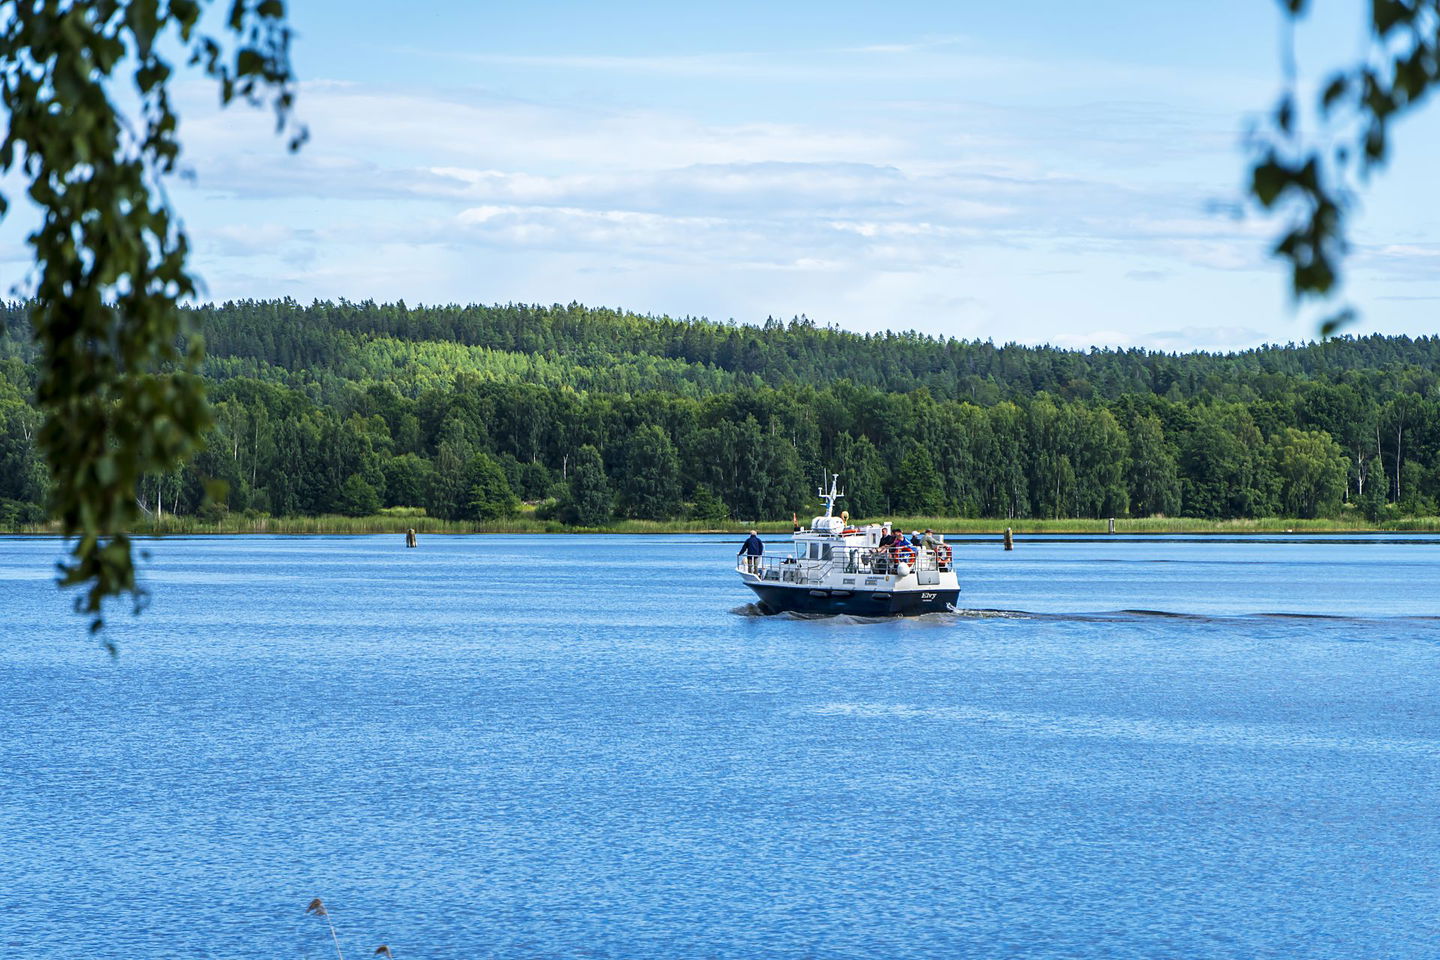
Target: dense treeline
(466, 411)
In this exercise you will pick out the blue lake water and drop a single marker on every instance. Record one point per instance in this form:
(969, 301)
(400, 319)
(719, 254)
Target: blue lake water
(525, 747)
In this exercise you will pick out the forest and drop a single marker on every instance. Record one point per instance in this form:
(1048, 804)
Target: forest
(586, 416)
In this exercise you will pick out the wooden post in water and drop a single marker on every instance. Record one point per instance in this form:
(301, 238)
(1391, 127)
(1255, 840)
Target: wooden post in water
(1112, 524)
(1009, 539)
(410, 537)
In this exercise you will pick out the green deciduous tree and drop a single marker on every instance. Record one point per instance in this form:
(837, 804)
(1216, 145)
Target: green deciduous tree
(22, 474)
(356, 497)
(1154, 482)
(919, 491)
(590, 502)
(1311, 469)
(863, 474)
(487, 493)
(1099, 451)
(449, 491)
(1212, 461)
(1372, 501)
(407, 480)
(1419, 487)
(707, 507)
(650, 484)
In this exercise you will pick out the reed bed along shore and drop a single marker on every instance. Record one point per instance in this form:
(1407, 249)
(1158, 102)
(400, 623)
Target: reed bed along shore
(398, 524)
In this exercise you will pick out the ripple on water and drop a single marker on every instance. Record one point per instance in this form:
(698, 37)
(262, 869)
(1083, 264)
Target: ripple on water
(476, 751)
(1148, 730)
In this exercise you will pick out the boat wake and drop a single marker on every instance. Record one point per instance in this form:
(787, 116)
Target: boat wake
(957, 615)
(755, 610)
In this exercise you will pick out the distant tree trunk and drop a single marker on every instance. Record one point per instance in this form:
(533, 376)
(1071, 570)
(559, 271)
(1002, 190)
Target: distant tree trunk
(1399, 432)
(1378, 453)
(255, 453)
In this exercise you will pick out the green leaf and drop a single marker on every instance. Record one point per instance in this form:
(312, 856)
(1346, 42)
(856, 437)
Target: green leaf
(1334, 90)
(1285, 114)
(1341, 318)
(143, 18)
(1385, 15)
(1269, 180)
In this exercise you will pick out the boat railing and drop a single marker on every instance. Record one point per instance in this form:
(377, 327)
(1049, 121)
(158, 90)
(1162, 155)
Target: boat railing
(875, 560)
(782, 569)
(868, 561)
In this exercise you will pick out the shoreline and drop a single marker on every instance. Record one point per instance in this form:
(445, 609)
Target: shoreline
(949, 526)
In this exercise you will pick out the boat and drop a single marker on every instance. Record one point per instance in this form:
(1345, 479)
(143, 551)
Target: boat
(834, 568)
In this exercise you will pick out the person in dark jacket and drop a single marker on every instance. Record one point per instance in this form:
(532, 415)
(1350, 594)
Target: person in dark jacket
(881, 561)
(752, 549)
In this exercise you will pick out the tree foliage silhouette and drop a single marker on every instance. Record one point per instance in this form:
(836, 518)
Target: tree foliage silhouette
(1312, 176)
(117, 390)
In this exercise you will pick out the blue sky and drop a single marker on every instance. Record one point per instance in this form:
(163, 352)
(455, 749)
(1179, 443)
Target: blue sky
(1041, 172)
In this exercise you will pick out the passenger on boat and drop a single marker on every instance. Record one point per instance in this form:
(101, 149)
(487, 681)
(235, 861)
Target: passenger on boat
(902, 554)
(752, 549)
(880, 559)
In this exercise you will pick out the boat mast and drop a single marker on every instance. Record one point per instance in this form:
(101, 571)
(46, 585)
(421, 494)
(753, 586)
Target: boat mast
(832, 496)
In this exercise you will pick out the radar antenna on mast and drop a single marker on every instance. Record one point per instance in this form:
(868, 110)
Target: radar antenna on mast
(834, 494)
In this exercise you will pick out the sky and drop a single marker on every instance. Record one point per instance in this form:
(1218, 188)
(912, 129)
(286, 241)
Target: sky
(1042, 172)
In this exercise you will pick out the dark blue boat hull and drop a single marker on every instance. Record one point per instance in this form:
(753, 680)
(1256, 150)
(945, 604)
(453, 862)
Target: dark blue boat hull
(863, 603)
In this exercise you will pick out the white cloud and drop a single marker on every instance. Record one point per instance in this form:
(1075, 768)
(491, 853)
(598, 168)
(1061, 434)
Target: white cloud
(1220, 338)
(1403, 262)
(964, 218)
(1183, 340)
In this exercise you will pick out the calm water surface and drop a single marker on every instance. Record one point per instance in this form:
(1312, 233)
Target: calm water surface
(525, 747)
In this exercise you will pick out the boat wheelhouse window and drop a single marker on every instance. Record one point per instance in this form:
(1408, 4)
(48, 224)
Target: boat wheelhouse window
(814, 551)
(825, 552)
